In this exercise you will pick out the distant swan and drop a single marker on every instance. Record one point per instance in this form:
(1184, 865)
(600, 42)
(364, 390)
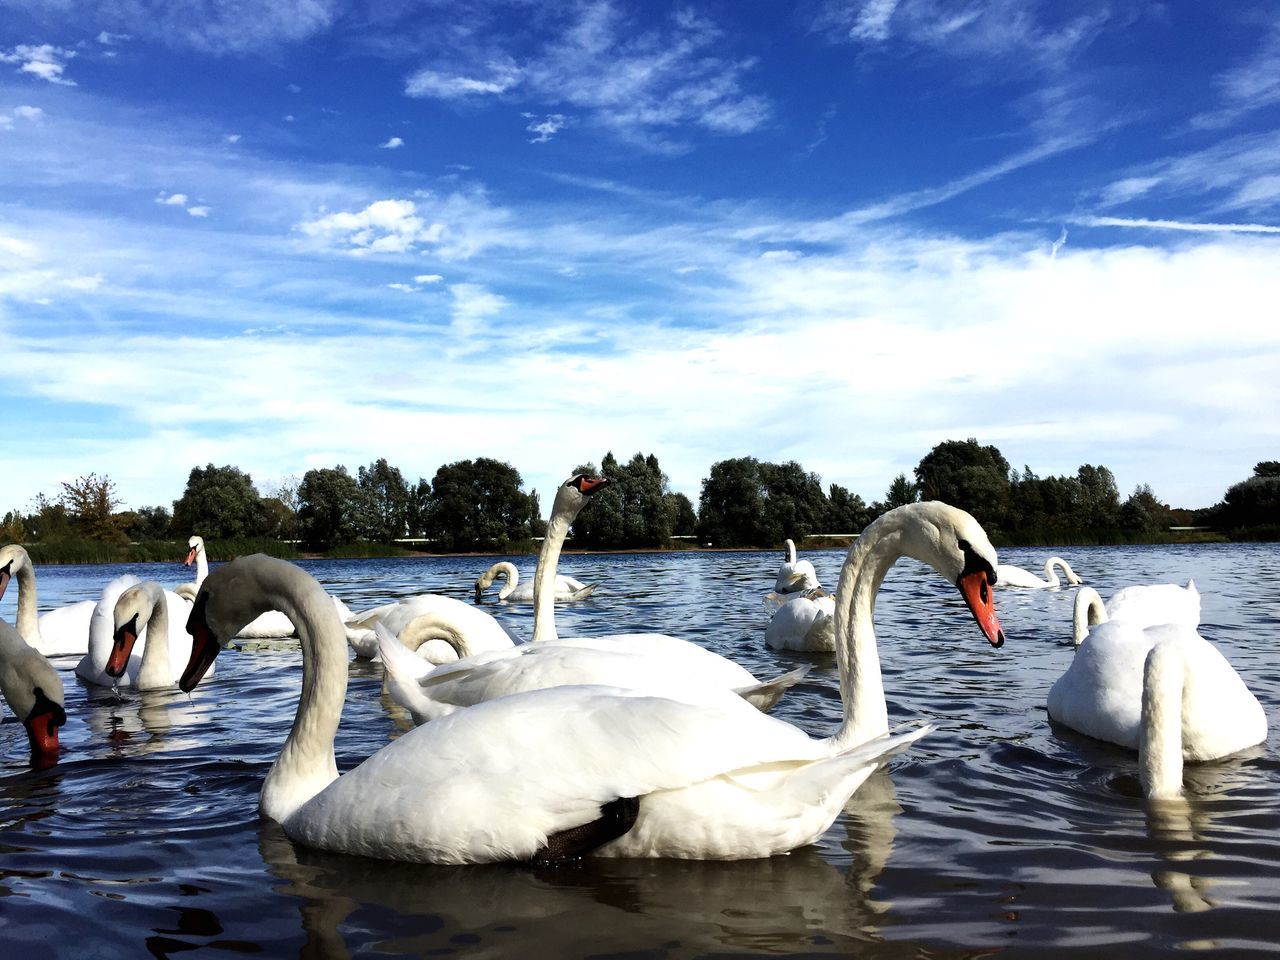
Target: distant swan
(1011, 576)
(1144, 605)
(554, 774)
(58, 633)
(146, 608)
(513, 591)
(1160, 689)
(33, 691)
(804, 621)
(196, 555)
(795, 576)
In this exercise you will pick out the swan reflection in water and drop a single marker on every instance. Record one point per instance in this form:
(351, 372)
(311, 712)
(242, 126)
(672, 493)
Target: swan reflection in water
(793, 903)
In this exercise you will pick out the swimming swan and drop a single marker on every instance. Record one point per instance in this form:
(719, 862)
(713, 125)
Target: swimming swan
(34, 693)
(803, 621)
(795, 576)
(448, 628)
(145, 608)
(545, 775)
(1011, 576)
(648, 661)
(1162, 690)
(513, 591)
(1144, 605)
(58, 633)
(196, 555)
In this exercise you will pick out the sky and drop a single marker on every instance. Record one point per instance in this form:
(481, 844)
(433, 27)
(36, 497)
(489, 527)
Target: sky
(290, 234)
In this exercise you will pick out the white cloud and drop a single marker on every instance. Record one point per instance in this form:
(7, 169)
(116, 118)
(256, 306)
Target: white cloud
(472, 305)
(427, 278)
(293, 88)
(172, 200)
(1183, 226)
(198, 211)
(403, 287)
(498, 78)
(107, 39)
(1251, 85)
(384, 226)
(392, 144)
(546, 128)
(232, 138)
(44, 61)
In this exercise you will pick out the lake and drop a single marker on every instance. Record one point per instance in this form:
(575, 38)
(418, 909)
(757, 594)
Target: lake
(997, 833)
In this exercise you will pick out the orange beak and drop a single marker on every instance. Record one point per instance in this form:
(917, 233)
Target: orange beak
(191, 557)
(42, 725)
(122, 647)
(980, 598)
(5, 577)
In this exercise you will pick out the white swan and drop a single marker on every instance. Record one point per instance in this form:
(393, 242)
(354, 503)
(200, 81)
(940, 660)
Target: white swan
(1143, 605)
(145, 613)
(513, 591)
(1011, 576)
(648, 661)
(549, 774)
(123, 593)
(795, 576)
(801, 622)
(459, 628)
(34, 693)
(1162, 690)
(196, 555)
(58, 633)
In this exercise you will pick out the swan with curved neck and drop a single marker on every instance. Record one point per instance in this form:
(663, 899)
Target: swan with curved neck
(1011, 576)
(196, 555)
(795, 576)
(1158, 688)
(568, 588)
(34, 693)
(457, 629)
(60, 632)
(1143, 604)
(147, 608)
(566, 771)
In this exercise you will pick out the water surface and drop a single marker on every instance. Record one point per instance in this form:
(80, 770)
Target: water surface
(996, 834)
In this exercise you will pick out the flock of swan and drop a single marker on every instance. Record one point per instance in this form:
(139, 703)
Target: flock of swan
(630, 745)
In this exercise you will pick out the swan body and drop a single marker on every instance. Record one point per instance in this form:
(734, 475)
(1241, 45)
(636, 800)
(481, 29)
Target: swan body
(33, 691)
(654, 659)
(513, 591)
(802, 622)
(1011, 576)
(795, 576)
(196, 555)
(58, 633)
(460, 629)
(548, 774)
(1160, 689)
(165, 621)
(1144, 605)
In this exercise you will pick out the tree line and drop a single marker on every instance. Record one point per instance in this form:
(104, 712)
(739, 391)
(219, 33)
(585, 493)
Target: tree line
(481, 504)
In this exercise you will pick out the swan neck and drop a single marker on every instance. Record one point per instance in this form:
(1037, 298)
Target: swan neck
(155, 671)
(861, 686)
(1160, 739)
(202, 566)
(428, 627)
(512, 578)
(306, 764)
(544, 575)
(1087, 612)
(27, 620)
(791, 551)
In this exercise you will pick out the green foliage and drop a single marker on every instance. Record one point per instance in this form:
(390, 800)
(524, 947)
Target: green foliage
(330, 508)
(91, 502)
(969, 476)
(478, 504)
(147, 523)
(746, 502)
(386, 502)
(1250, 509)
(220, 502)
(846, 512)
(636, 509)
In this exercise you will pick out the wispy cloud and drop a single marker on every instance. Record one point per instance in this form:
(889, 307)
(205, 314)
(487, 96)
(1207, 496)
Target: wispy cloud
(1247, 87)
(394, 143)
(544, 128)
(44, 61)
(384, 226)
(1145, 224)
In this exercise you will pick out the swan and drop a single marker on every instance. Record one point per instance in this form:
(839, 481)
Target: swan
(1144, 604)
(556, 773)
(140, 670)
(1160, 689)
(34, 693)
(795, 576)
(1011, 576)
(801, 622)
(143, 608)
(196, 555)
(58, 633)
(649, 661)
(459, 628)
(513, 591)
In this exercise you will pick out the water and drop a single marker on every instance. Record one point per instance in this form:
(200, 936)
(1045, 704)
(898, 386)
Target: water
(995, 833)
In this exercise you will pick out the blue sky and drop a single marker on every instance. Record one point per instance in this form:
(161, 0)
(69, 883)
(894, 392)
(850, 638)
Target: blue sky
(296, 233)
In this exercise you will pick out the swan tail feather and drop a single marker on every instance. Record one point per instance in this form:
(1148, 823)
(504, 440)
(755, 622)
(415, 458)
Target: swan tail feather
(616, 818)
(764, 696)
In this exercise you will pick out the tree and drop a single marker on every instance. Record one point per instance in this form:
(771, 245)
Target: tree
(329, 507)
(1143, 511)
(91, 502)
(148, 523)
(220, 503)
(847, 512)
(969, 476)
(1254, 502)
(386, 499)
(1099, 507)
(685, 520)
(746, 502)
(479, 504)
(602, 523)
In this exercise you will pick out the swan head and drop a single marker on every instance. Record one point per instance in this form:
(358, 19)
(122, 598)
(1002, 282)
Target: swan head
(195, 547)
(131, 613)
(573, 494)
(34, 692)
(12, 559)
(954, 544)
